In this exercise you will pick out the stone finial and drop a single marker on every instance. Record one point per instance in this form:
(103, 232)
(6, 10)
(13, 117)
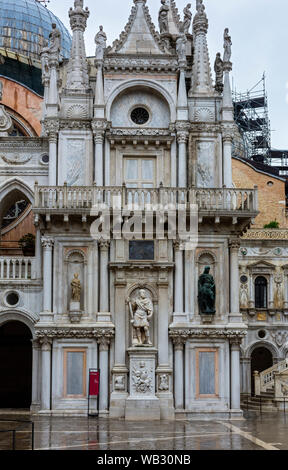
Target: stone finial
(200, 23)
(6, 124)
(78, 16)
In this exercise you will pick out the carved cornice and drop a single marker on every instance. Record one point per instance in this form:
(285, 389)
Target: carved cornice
(266, 234)
(82, 124)
(141, 64)
(188, 333)
(139, 132)
(66, 332)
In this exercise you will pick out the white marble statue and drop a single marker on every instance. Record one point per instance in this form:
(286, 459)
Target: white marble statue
(55, 40)
(100, 40)
(163, 17)
(200, 7)
(181, 43)
(187, 18)
(141, 310)
(227, 46)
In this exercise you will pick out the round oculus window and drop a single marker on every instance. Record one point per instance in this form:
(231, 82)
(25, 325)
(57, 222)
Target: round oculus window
(243, 279)
(45, 159)
(261, 334)
(140, 116)
(12, 298)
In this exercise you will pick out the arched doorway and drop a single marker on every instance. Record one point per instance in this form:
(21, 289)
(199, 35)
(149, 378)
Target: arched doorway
(15, 365)
(261, 359)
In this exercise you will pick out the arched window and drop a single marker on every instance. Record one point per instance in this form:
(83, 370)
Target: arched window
(260, 292)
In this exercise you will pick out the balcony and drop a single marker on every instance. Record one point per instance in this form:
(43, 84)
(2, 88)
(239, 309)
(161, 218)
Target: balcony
(216, 202)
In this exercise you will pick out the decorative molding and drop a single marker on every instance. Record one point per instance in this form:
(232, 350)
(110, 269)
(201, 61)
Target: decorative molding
(83, 124)
(266, 234)
(179, 334)
(139, 132)
(80, 332)
(16, 159)
(113, 63)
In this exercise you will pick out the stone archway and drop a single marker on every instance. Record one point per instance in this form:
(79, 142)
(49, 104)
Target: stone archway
(261, 359)
(15, 365)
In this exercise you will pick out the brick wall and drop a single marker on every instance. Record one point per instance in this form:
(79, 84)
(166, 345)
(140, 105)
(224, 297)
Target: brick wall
(271, 196)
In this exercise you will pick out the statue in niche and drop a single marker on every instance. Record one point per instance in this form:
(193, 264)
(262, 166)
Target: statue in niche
(55, 40)
(227, 46)
(163, 17)
(181, 43)
(206, 293)
(76, 288)
(187, 18)
(100, 40)
(219, 71)
(141, 310)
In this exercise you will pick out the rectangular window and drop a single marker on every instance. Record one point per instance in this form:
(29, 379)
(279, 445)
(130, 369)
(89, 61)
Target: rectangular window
(206, 373)
(141, 250)
(75, 373)
(140, 172)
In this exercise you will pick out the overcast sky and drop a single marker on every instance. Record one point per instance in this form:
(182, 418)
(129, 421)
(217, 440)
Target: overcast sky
(259, 34)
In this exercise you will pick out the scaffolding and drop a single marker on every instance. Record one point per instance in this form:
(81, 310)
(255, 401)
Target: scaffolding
(252, 119)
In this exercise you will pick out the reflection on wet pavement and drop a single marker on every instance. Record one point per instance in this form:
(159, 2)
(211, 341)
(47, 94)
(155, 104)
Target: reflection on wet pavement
(266, 432)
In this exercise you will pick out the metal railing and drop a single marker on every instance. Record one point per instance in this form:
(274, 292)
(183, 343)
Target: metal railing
(14, 431)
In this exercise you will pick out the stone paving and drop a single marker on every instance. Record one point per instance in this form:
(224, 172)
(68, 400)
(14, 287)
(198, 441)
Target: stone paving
(255, 432)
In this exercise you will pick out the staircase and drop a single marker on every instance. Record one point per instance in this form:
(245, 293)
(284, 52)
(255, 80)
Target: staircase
(263, 402)
(265, 399)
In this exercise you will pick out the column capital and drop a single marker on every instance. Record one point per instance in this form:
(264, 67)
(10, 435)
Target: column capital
(182, 137)
(104, 343)
(234, 245)
(177, 245)
(235, 343)
(35, 343)
(179, 342)
(47, 243)
(104, 245)
(45, 343)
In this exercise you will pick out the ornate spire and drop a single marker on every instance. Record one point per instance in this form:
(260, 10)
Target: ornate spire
(78, 69)
(201, 72)
(139, 35)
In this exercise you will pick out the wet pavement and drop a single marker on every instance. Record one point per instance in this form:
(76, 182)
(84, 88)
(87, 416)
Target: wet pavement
(268, 431)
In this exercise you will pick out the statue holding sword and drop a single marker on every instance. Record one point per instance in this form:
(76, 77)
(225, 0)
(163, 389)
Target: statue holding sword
(141, 311)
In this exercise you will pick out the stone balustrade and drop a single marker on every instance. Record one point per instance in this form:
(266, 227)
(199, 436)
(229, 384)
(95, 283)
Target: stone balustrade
(18, 268)
(55, 198)
(266, 379)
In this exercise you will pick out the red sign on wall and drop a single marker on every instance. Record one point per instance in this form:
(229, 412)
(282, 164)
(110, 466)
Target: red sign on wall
(94, 378)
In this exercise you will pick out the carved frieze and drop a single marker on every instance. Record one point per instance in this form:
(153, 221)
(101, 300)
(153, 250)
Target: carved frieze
(79, 332)
(16, 159)
(187, 333)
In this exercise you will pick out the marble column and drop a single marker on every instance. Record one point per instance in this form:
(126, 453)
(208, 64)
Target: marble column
(227, 159)
(38, 254)
(179, 314)
(234, 281)
(35, 404)
(47, 244)
(52, 159)
(179, 373)
(104, 375)
(235, 373)
(104, 314)
(98, 157)
(182, 138)
(46, 374)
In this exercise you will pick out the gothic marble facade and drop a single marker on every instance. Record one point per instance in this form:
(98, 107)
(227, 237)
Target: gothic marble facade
(141, 126)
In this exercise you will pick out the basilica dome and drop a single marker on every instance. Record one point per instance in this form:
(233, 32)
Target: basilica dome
(25, 24)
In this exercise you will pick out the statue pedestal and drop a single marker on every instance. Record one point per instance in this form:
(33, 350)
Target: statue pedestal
(207, 318)
(142, 404)
(75, 312)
